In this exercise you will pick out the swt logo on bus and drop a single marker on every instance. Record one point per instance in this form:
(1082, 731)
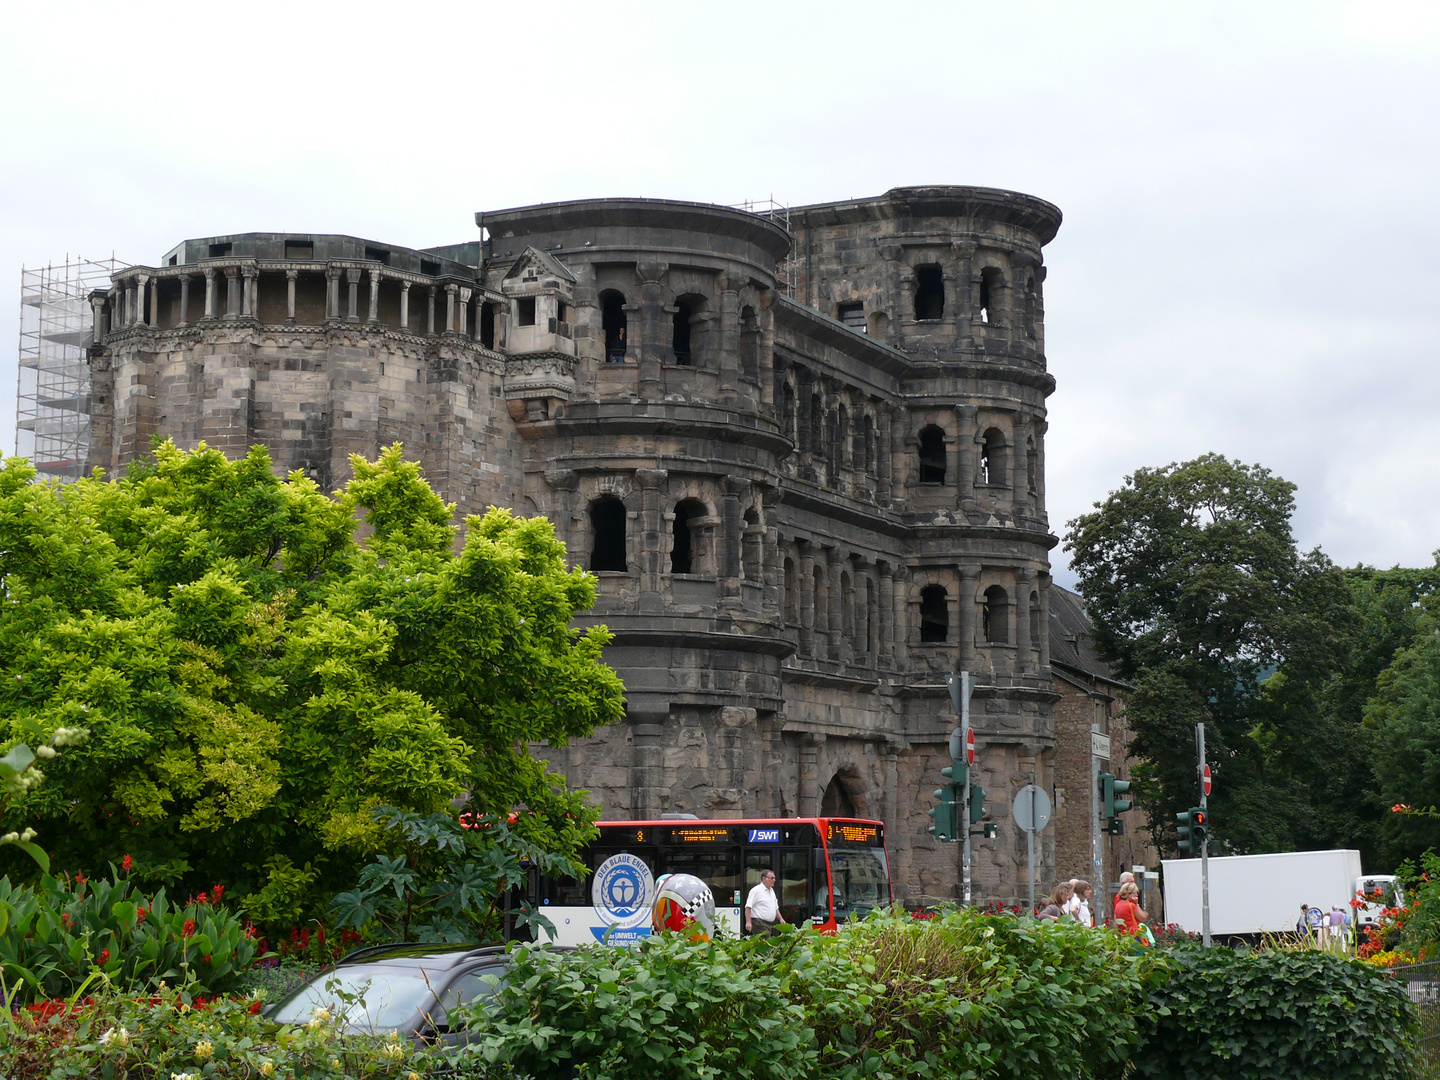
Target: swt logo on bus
(764, 836)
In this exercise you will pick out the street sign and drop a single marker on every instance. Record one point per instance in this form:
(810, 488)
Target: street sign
(1100, 745)
(970, 749)
(1025, 798)
(1205, 779)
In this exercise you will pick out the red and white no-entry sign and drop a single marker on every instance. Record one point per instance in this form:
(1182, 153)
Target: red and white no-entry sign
(970, 749)
(1205, 779)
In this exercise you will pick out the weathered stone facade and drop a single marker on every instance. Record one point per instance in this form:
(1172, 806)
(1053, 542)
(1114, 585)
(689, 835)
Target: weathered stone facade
(807, 467)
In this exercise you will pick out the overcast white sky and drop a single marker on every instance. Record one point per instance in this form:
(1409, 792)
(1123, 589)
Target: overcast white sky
(1248, 260)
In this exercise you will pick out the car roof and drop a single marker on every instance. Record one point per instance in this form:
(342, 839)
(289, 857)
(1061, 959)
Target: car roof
(434, 954)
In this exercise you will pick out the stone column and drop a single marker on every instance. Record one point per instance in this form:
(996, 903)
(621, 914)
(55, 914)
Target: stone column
(374, 294)
(653, 336)
(810, 792)
(766, 315)
(97, 318)
(837, 608)
(886, 636)
(900, 466)
(405, 305)
(450, 291)
(806, 555)
(735, 488)
(902, 620)
(969, 583)
(248, 306)
(209, 292)
(967, 471)
(430, 311)
(352, 279)
(462, 325)
(184, 319)
(1023, 662)
(729, 338)
(332, 292)
(648, 537)
(1038, 428)
(647, 774)
(1044, 582)
(154, 319)
(232, 292)
(882, 456)
(291, 276)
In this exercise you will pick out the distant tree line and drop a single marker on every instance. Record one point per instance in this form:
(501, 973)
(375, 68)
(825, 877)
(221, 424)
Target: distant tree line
(1319, 687)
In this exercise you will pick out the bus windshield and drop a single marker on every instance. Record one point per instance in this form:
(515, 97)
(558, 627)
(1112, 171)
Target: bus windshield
(861, 880)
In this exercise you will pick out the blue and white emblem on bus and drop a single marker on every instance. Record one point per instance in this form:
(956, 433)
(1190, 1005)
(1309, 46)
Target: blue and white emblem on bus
(623, 891)
(764, 836)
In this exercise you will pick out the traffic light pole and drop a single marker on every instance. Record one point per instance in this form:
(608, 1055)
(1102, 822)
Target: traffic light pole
(1205, 844)
(965, 816)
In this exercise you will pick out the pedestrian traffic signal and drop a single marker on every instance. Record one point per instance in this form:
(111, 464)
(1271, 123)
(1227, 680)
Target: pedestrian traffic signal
(1115, 827)
(977, 803)
(944, 812)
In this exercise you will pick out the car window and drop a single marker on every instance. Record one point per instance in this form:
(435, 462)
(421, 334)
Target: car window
(369, 997)
(473, 984)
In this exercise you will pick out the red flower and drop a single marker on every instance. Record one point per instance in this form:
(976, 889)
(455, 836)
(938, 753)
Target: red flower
(104, 956)
(65, 918)
(140, 914)
(189, 928)
(205, 959)
(202, 899)
(255, 1007)
(80, 879)
(126, 863)
(216, 891)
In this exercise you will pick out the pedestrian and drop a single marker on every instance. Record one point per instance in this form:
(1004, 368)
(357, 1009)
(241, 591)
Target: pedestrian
(1059, 897)
(761, 907)
(1079, 906)
(1337, 926)
(1127, 878)
(1302, 924)
(1128, 911)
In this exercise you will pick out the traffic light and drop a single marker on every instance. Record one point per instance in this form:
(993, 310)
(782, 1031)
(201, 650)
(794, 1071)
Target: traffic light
(944, 813)
(954, 772)
(1194, 829)
(1109, 788)
(977, 803)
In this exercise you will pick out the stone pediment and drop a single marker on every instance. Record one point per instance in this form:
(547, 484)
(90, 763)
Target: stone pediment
(538, 270)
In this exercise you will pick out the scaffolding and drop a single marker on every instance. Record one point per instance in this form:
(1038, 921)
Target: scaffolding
(779, 213)
(52, 408)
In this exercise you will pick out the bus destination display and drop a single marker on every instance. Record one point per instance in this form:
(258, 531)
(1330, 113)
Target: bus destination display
(700, 834)
(860, 833)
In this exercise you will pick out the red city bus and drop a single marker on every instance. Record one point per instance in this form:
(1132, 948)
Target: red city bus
(827, 870)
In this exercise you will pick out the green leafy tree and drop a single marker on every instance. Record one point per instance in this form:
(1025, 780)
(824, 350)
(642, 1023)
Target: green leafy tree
(1197, 592)
(256, 679)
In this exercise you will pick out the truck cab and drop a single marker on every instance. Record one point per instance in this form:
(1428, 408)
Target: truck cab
(1379, 891)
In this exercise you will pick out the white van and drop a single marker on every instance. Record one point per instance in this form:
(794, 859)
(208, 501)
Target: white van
(1390, 895)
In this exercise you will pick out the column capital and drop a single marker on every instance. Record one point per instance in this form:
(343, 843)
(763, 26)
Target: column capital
(291, 275)
(405, 286)
(736, 485)
(352, 275)
(651, 478)
(451, 289)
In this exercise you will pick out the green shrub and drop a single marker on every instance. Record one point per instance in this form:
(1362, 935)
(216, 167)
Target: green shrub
(1302, 1014)
(958, 996)
(119, 1036)
(56, 934)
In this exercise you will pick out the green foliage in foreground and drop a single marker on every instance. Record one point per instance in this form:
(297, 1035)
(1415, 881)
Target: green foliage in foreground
(61, 935)
(255, 679)
(1305, 1015)
(961, 996)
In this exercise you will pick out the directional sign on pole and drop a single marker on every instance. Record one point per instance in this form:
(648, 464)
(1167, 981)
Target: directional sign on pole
(1205, 779)
(1031, 808)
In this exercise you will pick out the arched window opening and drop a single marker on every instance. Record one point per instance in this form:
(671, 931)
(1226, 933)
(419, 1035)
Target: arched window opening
(994, 618)
(929, 293)
(749, 344)
(836, 802)
(1035, 620)
(992, 458)
(879, 324)
(607, 534)
(991, 282)
(934, 613)
(685, 549)
(852, 315)
(932, 455)
(817, 426)
(1032, 462)
(792, 593)
(680, 340)
(612, 325)
(787, 410)
(487, 325)
(750, 550)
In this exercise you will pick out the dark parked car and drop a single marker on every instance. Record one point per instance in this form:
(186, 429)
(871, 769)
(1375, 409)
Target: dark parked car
(405, 988)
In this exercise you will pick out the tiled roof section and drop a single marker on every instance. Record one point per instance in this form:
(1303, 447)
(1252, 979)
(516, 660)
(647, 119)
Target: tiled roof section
(1070, 642)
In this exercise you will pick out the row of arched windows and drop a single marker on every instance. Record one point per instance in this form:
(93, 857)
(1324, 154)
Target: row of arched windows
(994, 616)
(688, 328)
(691, 550)
(993, 468)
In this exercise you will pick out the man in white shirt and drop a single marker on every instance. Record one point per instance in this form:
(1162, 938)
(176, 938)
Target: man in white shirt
(761, 907)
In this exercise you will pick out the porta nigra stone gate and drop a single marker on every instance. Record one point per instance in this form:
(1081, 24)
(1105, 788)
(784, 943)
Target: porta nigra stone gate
(806, 464)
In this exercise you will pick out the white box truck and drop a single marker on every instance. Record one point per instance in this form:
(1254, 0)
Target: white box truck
(1261, 894)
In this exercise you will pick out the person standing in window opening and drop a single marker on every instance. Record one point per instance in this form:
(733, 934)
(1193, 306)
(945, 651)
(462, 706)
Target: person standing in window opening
(615, 351)
(761, 907)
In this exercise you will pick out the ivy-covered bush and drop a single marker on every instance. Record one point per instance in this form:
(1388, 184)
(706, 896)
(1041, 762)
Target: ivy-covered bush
(958, 996)
(57, 934)
(1299, 1014)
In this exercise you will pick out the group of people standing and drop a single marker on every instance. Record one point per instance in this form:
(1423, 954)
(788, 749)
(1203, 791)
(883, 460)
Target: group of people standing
(1074, 899)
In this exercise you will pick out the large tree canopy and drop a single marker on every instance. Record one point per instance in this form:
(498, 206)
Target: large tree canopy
(255, 678)
(1197, 592)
